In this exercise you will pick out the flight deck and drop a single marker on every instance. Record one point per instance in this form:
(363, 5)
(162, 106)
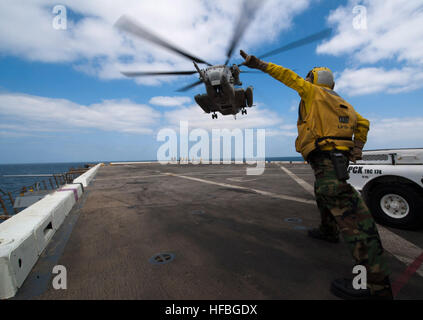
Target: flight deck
(152, 231)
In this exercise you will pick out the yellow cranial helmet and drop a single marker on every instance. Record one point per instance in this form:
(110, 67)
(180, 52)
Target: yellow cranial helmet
(322, 76)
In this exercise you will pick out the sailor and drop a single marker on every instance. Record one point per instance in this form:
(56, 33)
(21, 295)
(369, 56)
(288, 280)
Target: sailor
(330, 133)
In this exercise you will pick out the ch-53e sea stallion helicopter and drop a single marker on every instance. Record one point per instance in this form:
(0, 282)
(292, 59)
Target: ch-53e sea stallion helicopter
(221, 81)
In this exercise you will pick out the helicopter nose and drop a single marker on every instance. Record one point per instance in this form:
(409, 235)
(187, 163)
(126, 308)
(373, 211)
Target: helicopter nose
(215, 78)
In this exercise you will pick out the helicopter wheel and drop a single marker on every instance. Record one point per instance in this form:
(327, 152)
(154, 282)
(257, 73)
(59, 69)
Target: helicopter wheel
(249, 96)
(243, 111)
(214, 116)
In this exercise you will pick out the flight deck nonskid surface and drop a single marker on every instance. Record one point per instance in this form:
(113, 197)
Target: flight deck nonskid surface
(227, 235)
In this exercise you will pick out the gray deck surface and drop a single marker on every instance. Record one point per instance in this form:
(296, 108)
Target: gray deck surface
(228, 243)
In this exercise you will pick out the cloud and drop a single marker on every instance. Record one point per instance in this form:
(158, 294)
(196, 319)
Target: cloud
(170, 101)
(257, 118)
(372, 80)
(92, 45)
(294, 106)
(283, 133)
(9, 134)
(395, 133)
(22, 113)
(27, 115)
(385, 133)
(394, 30)
(393, 35)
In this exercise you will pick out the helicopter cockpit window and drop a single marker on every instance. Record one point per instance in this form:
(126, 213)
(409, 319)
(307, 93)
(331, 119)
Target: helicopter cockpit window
(214, 78)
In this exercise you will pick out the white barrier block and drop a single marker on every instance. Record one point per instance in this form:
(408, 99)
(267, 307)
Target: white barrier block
(23, 258)
(53, 208)
(63, 209)
(86, 178)
(76, 188)
(24, 236)
(8, 287)
(64, 204)
(18, 251)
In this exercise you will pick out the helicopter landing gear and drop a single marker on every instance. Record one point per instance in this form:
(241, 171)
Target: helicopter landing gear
(243, 111)
(249, 96)
(214, 115)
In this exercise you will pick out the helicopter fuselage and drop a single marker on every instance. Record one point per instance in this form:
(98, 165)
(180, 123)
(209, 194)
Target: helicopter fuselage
(222, 94)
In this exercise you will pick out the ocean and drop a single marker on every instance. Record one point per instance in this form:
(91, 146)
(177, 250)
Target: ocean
(15, 184)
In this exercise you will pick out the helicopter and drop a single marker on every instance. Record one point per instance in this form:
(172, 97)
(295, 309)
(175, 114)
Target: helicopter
(222, 82)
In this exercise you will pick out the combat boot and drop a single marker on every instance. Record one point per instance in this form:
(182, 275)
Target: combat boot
(343, 288)
(317, 233)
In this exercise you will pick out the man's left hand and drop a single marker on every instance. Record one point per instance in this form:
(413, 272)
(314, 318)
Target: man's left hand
(253, 62)
(357, 152)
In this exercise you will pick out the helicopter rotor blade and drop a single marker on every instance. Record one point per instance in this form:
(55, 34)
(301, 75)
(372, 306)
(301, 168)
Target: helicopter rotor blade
(248, 11)
(192, 85)
(299, 43)
(129, 25)
(257, 72)
(156, 73)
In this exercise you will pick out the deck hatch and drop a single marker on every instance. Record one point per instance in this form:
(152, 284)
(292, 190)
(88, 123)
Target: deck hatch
(293, 220)
(162, 258)
(300, 228)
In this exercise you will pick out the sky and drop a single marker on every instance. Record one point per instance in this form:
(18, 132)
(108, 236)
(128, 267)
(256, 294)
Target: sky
(63, 97)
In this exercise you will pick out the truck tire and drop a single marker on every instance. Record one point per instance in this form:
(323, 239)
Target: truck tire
(399, 206)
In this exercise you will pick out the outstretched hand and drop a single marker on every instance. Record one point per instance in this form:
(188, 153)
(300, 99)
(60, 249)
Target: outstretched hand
(253, 62)
(245, 56)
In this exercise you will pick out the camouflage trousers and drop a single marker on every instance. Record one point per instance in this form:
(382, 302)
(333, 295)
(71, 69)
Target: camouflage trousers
(343, 211)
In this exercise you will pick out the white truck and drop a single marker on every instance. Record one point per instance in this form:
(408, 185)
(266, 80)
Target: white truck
(391, 183)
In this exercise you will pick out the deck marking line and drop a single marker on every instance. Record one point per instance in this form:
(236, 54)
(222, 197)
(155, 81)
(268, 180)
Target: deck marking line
(133, 177)
(264, 193)
(240, 179)
(300, 181)
(405, 277)
(403, 250)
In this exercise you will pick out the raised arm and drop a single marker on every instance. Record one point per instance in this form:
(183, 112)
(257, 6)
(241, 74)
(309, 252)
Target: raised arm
(290, 79)
(284, 75)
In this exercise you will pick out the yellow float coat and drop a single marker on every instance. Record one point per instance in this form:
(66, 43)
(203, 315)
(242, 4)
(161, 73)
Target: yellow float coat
(322, 113)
